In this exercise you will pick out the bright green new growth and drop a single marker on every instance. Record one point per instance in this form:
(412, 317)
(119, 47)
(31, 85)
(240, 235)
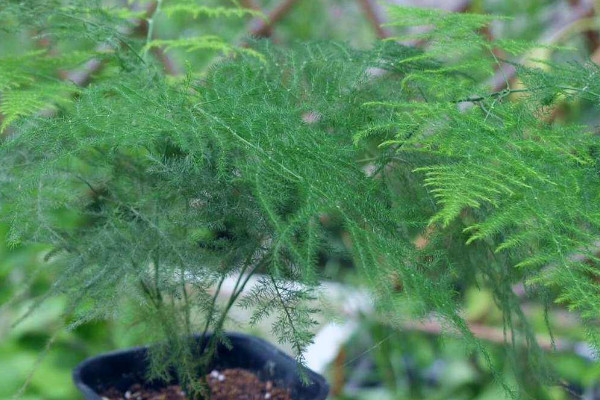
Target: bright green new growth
(152, 192)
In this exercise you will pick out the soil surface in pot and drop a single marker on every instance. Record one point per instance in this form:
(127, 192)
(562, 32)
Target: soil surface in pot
(229, 384)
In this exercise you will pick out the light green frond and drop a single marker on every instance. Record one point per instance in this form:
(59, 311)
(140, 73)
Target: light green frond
(19, 103)
(446, 32)
(401, 16)
(518, 47)
(195, 10)
(208, 42)
(122, 13)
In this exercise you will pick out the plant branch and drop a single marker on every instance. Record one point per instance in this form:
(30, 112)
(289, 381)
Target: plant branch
(373, 15)
(211, 308)
(498, 95)
(264, 28)
(295, 344)
(240, 284)
(150, 21)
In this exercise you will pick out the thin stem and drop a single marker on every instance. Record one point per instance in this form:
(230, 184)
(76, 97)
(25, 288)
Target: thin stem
(503, 93)
(498, 94)
(157, 257)
(580, 90)
(241, 283)
(295, 344)
(157, 274)
(186, 300)
(264, 28)
(149, 294)
(212, 308)
(374, 17)
(151, 27)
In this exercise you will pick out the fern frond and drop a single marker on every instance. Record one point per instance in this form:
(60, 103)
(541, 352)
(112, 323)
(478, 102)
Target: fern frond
(444, 31)
(207, 42)
(17, 103)
(499, 174)
(291, 304)
(196, 10)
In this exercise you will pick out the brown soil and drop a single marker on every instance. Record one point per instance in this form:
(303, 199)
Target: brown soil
(229, 384)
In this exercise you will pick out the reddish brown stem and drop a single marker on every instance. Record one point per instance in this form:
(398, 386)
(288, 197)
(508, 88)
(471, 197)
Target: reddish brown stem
(487, 333)
(251, 4)
(264, 28)
(373, 15)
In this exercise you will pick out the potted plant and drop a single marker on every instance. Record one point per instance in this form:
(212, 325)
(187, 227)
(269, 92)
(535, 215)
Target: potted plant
(247, 365)
(152, 192)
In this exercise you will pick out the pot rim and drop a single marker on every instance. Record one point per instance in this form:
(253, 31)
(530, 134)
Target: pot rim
(85, 389)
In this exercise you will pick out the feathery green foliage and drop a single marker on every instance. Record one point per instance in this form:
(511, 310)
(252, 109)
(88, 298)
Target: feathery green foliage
(498, 169)
(154, 191)
(81, 30)
(184, 185)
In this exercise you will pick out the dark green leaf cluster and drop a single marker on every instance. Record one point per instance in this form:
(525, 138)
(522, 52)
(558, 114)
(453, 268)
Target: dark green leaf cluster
(156, 192)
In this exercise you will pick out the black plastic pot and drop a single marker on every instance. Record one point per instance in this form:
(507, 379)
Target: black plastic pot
(121, 369)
